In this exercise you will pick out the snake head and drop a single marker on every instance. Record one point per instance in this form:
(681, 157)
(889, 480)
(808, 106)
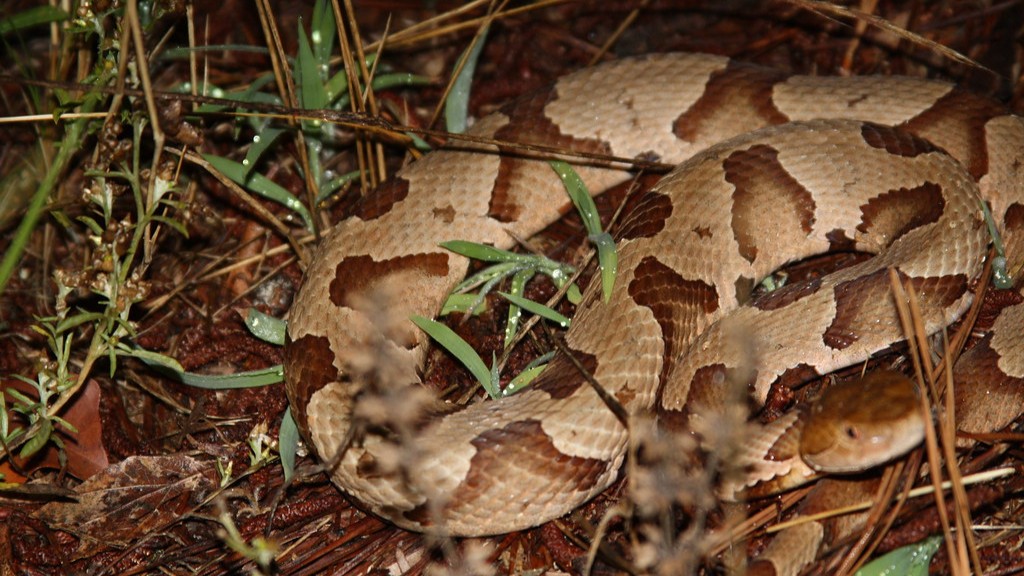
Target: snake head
(862, 423)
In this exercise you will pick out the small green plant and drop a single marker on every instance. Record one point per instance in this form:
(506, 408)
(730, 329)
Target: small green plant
(261, 551)
(519, 269)
(115, 277)
(317, 88)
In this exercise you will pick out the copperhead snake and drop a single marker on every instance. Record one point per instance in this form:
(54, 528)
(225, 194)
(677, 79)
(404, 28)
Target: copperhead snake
(772, 168)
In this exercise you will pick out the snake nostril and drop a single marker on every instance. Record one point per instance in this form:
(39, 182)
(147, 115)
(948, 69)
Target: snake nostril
(852, 433)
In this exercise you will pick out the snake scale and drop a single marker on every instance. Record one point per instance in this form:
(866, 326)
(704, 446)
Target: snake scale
(772, 168)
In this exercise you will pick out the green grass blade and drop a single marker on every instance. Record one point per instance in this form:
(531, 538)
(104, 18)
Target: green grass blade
(261, 142)
(516, 289)
(151, 358)
(909, 560)
(260, 185)
(419, 143)
(538, 309)
(266, 327)
(524, 379)
(465, 303)
(324, 32)
(168, 365)
(32, 17)
(461, 350)
(456, 108)
(250, 379)
(488, 277)
(483, 252)
(336, 89)
(183, 52)
(251, 94)
(608, 260)
(332, 186)
(579, 195)
(288, 443)
(398, 80)
(1001, 277)
(607, 257)
(312, 95)
(70, 144)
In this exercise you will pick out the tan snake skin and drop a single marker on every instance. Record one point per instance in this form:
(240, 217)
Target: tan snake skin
(742, 203)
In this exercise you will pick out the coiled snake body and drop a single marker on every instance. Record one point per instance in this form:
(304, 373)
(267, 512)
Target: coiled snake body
(773, 168)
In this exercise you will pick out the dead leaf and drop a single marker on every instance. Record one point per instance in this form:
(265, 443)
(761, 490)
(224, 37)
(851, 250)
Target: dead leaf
(85, 452)
(129, 500)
